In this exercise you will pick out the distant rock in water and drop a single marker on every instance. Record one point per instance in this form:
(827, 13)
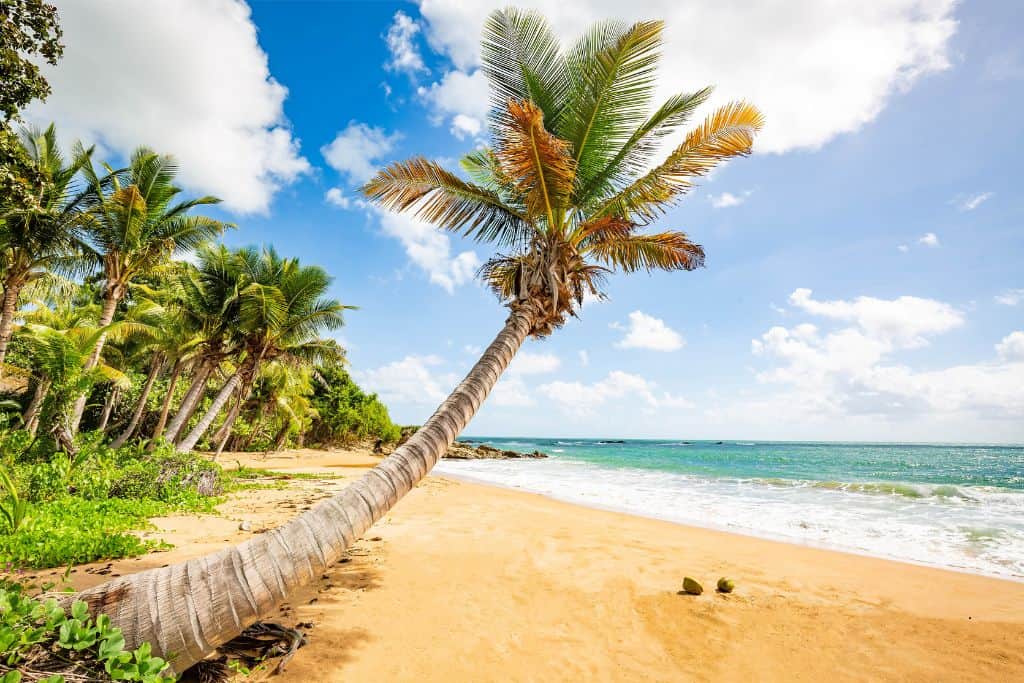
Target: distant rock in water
(462, 450)
(612, 441)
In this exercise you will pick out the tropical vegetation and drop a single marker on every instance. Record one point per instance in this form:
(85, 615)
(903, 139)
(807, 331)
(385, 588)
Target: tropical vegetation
(130, 338)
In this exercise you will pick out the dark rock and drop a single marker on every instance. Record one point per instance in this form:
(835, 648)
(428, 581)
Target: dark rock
(462, 450)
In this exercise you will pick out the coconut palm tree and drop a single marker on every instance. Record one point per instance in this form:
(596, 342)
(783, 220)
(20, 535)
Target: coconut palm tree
(566, 191)
(281, 309)
(41, 241)
(136, 226)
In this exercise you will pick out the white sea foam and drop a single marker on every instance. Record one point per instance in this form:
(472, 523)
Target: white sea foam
(968, 528)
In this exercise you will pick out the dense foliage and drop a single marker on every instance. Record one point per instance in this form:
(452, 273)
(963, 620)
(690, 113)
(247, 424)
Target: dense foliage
(344, 412)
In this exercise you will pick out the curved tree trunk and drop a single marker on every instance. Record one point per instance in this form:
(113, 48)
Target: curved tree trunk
(140, 407)
(189, 401)
(110, 301)
(190, 441)
(35, 406)
(186, 610)
(8, 309)
(108, 407)
(224, 433)
(165, 409)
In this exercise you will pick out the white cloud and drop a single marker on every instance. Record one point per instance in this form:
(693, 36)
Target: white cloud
(1010, 297)
(473, 349)
(850, 370)
(430, 249)
(465, 126)
(802, 62)
(727, 200)
(335, 197)
(929, 239)
(359, 150)
(972, 202)
(577, 398)
(462, 99)
(903, 248)
(584, 357)
(527, 363)
(511, 392)
(647, 332)
(1011, 348)
(401, 41)
(904, 322)
(192, 82)
(410, 380)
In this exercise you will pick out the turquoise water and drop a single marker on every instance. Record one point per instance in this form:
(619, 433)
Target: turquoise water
(956, 506)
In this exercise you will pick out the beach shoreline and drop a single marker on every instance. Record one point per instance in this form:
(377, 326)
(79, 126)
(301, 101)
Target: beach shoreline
(468, 581)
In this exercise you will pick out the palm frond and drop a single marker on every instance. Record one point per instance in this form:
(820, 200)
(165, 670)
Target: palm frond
(430, 192)
(662, 251)
(539, 163)
(726, 133)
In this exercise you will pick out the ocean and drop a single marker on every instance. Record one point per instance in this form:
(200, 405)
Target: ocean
(954, 506)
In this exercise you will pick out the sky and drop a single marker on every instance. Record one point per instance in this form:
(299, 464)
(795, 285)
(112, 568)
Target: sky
(863, 277)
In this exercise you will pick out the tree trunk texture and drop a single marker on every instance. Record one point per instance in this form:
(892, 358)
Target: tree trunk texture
(106, 317)
(108, 407)
(188, 402)
(8, 311)
(35, 406)
(165, 408)
(186, 610)
(190, 441)
(140, 407)
(224, 433)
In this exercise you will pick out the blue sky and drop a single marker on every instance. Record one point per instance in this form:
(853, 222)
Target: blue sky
(863, 277)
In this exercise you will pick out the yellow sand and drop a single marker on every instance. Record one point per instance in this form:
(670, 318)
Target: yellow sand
(476, 583)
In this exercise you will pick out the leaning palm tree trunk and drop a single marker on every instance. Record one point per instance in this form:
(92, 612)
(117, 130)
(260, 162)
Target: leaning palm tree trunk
(189, 609)
(140, 407)
(189, 401)
(106, 317)
(165, 409)
(35, 406)
(108, 407)
(190, 441)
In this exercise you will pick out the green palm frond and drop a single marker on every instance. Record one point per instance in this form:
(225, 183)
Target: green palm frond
(429, 192)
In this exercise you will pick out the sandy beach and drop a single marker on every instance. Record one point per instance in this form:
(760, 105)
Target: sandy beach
(466, 582)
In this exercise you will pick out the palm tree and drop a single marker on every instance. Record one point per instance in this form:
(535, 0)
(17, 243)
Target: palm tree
(135, 225)
(566, 191)
(281, 309)
(44, 240)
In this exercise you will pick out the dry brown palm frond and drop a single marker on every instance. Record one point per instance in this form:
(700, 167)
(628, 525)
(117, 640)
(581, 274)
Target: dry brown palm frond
(726, 133)
(605, 227)
(663, 250)
(539, 163)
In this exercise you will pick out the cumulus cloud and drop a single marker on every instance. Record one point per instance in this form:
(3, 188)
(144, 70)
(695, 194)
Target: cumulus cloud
(410, 380)
(581, 399)
(804, 63)
(973, 201)
(460, 98)
(401, 42)
(430, 249)
(359, 150)
(336, 197)
(851, 370)
(929, 239)
(584, 357)
(193, 82)
(1011, 348)
(528, 363)
(647, 332)
(727, 199)
(904, 322)
(1010, 297)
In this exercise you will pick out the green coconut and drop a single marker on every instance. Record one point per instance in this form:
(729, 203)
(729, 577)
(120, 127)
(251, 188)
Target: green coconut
(725, 585)
(692, 587)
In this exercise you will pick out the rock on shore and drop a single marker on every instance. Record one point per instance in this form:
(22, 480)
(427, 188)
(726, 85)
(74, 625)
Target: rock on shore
(464, 451)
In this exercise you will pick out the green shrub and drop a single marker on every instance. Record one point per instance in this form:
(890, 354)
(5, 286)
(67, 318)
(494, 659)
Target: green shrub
(67, 646)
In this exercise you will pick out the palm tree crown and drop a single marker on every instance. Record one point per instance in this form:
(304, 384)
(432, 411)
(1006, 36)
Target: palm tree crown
(569, 182)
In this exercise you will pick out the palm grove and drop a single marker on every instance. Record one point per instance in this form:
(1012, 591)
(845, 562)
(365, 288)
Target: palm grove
(566, 192)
